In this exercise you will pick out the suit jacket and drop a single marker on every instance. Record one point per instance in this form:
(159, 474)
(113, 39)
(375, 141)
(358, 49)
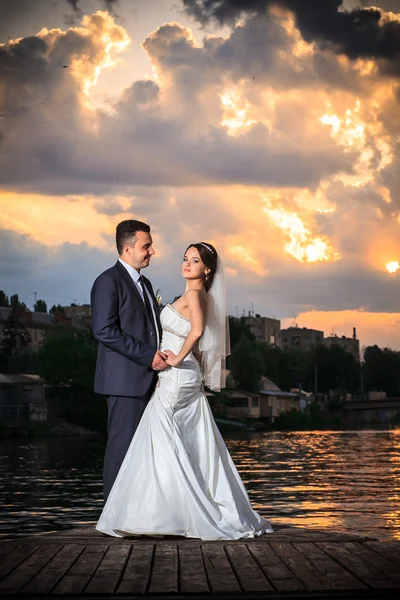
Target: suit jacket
(125, 332)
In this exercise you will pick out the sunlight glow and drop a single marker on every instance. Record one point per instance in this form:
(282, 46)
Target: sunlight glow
(109, 40)
(363, 134)
(393, 266)
(301, 245)
(235, 113)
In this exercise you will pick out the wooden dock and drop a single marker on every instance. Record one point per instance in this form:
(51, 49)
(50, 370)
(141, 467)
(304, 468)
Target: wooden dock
(290, 563)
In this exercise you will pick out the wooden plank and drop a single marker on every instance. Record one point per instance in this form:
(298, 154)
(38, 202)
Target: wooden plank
(363, 571)
(249, 574)
(303, 570)
(390, 550)
(136, 577)
(77, 578)
(15, 558)
(22, 574)
(387, 567)
(192, 574)
(6, 549)
(281, 578)
(107, 575)
(337, 575)
(164, 575)
(52, 573)
(219, 571)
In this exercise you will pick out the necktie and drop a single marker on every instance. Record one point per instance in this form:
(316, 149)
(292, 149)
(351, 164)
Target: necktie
(146, 298)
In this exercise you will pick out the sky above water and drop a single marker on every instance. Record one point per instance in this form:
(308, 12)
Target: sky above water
(270, 129)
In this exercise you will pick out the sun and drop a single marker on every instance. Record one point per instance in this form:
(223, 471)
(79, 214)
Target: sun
(393, 266)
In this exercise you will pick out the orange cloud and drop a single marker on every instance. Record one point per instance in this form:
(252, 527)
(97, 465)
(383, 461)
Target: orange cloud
(54, 220)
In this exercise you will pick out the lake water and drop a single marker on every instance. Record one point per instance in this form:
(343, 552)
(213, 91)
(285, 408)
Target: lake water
(338, 481)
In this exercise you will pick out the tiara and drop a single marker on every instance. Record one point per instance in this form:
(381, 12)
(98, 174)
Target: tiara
(208, 247)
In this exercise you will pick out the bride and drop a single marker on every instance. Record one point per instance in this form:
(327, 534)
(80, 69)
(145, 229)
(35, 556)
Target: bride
(177, 477)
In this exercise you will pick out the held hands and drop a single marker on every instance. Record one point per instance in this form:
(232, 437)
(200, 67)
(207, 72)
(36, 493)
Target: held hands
(172, 359)
(159, 361)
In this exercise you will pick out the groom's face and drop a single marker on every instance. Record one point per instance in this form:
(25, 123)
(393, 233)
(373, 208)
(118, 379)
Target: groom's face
(139, 255)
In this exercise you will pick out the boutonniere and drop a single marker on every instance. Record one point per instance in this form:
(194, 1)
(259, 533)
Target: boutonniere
(159, 298)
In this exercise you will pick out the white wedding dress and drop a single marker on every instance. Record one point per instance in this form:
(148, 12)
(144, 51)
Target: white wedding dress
(177, 477)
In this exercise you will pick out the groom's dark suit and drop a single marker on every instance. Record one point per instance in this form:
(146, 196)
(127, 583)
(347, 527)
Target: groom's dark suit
(127, 338)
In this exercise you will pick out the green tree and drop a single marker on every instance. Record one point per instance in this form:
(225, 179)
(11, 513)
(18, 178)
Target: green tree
(271, 356)
(336, 369)
(246, 364)
(4, 301)
(237, 327)
(382, 370)
(67, 362)
(298, 367)
(57, 310)
(15, 302)
(16, 337)
(40, 306)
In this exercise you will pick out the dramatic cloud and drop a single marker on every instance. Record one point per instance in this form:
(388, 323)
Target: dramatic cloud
(276, 140)
(357, 33)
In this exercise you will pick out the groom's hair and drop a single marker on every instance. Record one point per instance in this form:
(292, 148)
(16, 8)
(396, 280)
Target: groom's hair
(126, 233)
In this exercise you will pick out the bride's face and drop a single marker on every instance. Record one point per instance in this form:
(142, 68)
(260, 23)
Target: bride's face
(192, 266)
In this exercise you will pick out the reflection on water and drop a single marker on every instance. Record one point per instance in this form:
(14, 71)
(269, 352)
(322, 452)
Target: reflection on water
(339, 481)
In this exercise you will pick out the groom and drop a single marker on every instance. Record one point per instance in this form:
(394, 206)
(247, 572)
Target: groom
(126, 323)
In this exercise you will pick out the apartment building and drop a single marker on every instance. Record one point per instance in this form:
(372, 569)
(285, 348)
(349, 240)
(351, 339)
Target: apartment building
(300, 337)
(38, 324)
(350, 344)
(264, 329)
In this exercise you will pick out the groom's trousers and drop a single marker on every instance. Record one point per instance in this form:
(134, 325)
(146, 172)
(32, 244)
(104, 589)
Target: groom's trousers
(124, 414)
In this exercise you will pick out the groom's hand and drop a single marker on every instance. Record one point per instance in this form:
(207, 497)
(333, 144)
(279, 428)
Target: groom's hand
(159, 363)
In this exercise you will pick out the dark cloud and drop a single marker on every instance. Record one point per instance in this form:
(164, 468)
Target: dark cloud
(152, 143)
(78, 7)
(66, 274)
(59, 275)
(358, 33)
(331, 287)
(74, 4)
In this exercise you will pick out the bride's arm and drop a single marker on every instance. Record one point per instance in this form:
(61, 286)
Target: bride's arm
(197, 304)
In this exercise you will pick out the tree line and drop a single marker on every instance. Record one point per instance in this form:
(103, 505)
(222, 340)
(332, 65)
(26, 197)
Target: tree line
(39, 306)
(320, 370)
(66, 359)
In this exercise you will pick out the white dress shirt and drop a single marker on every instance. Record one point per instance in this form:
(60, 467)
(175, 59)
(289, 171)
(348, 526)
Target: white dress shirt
(135, 278)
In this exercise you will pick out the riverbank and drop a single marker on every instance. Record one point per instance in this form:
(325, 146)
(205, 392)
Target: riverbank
(44, 429)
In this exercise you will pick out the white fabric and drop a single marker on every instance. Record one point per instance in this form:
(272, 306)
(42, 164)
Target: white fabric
(135, 275)
(178, 477)
(214, 344)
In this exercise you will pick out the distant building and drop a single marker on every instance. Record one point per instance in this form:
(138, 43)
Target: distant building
(349, 344)
(265, 405)
(264, 329)
(300, 337)
(22, 398)
(38, 324)
(78, 311)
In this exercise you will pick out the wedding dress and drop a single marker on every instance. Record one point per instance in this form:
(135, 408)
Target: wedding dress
(177, 477)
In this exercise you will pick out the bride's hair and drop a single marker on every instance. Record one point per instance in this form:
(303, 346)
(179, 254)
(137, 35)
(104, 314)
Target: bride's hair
(209, 256)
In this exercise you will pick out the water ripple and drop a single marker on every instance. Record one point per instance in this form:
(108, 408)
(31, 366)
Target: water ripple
(337, 481)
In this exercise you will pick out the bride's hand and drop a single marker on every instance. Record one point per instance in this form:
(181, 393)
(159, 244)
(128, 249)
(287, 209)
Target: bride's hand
(172, 359)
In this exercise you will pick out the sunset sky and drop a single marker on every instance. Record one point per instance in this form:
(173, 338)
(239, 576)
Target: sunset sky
(270, 129)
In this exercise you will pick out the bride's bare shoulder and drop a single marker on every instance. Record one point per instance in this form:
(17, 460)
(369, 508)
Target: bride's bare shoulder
(200, 295)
